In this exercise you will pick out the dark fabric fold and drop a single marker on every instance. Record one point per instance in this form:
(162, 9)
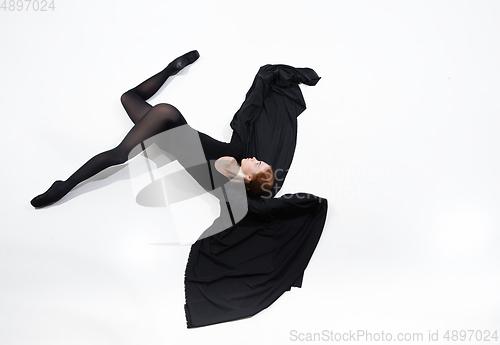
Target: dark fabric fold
(267, 120)
(240, 271)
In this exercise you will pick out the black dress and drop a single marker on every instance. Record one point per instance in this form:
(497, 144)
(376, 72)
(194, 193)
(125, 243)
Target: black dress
(239, 271)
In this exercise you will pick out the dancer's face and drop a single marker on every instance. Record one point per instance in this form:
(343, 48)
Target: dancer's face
(252, 166)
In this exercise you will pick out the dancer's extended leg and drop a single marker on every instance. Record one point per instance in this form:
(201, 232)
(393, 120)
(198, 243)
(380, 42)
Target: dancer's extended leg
(159, 118)
(134, 100)
(148, 121)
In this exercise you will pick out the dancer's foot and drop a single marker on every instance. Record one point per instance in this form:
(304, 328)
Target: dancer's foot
(184, 60)
(53, 194)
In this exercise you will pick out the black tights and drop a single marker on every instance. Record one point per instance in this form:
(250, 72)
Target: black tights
(148, 121)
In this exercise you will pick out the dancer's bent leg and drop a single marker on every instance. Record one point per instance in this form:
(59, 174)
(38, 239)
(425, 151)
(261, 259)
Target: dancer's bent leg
(159, 118)
(134, 100)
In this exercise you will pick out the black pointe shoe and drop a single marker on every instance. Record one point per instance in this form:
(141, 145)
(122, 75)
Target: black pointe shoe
(53, 194)
(184, 60)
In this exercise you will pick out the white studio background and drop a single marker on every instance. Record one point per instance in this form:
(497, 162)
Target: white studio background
(400, 136)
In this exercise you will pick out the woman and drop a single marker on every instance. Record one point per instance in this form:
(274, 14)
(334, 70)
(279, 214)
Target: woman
(234, 270)
(152, 120)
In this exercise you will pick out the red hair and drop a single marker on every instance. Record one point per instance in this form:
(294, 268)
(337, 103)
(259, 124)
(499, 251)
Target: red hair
(261, 182)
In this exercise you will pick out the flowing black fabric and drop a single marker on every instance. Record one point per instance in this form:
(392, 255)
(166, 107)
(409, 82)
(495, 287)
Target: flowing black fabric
(240, 271)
